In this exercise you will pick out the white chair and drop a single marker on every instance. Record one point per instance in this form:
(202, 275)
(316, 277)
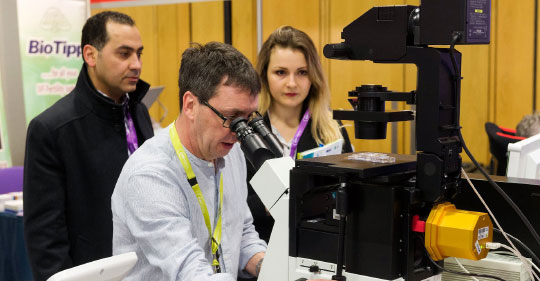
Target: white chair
(108, 269)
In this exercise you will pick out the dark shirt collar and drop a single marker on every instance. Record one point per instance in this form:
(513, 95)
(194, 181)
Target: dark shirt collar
(101, 105)
(124, 100)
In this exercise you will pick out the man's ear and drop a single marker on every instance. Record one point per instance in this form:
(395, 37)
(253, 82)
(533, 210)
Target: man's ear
(90, 54)
(189, 104)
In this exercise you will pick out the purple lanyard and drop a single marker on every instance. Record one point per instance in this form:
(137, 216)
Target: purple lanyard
(299, 132)
(131, 133)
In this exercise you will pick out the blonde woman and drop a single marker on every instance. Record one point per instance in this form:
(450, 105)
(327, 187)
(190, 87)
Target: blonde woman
(295, 103)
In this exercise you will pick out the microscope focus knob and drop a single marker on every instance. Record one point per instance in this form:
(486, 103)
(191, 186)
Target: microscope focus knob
(314, 268)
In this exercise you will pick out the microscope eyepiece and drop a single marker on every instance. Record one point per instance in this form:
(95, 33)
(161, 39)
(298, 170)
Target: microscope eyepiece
(257, 123)
(240, 127)
(253, 146)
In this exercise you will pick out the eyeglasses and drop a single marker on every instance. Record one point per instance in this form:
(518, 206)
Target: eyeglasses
(228, 120)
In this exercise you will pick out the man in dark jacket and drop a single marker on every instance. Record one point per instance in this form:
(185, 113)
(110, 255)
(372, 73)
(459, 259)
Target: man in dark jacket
(75, 150)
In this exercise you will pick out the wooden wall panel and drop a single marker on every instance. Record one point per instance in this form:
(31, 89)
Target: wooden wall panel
(537, 104)
(295, 13)
(183, 40)
(492, 64)
(207, 22)
(173, 20)
(244, 28)
(325, 37)
(475, 100)
(513, 61)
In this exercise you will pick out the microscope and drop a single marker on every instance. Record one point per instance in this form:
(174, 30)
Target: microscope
(379, 216)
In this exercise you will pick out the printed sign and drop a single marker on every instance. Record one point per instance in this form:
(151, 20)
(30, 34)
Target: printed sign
(49, 39)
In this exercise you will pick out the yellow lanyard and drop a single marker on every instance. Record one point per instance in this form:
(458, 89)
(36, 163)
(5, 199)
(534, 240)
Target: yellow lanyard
(216, 237)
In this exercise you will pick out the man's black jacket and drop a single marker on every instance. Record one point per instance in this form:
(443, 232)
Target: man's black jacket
(75, 151)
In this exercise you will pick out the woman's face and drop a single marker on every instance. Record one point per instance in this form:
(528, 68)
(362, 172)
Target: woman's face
(288, 77)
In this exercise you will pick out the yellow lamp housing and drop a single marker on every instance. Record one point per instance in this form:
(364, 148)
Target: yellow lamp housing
(457, 233)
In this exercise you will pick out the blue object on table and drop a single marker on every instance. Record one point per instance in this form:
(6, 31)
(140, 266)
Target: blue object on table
(11, 179)
(14, 264)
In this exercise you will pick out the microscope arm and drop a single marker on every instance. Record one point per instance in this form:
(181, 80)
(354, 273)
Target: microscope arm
(271, 183)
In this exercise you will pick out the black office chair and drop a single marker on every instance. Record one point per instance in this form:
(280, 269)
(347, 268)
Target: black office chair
(499, 138)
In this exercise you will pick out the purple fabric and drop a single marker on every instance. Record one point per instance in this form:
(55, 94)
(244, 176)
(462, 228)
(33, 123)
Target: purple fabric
(11, 179)
(131, 133)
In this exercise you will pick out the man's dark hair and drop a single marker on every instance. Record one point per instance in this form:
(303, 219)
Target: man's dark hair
(203, 67)
(94, 31)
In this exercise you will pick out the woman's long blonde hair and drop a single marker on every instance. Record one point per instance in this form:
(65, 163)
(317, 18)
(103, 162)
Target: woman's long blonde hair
(324, 129)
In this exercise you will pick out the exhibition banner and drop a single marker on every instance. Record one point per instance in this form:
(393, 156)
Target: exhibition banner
(49, 40)
(5, 156)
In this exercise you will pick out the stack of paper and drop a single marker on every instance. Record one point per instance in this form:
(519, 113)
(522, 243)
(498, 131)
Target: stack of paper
(14, 206)
(4, 198)
(332, 148)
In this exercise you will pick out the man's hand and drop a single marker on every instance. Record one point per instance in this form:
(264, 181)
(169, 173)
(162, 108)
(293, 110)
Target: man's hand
(251, 266)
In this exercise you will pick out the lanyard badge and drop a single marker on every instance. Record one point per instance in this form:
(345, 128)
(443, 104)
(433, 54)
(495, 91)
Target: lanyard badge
(215, 256)
(299, 132)
(215, 237)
